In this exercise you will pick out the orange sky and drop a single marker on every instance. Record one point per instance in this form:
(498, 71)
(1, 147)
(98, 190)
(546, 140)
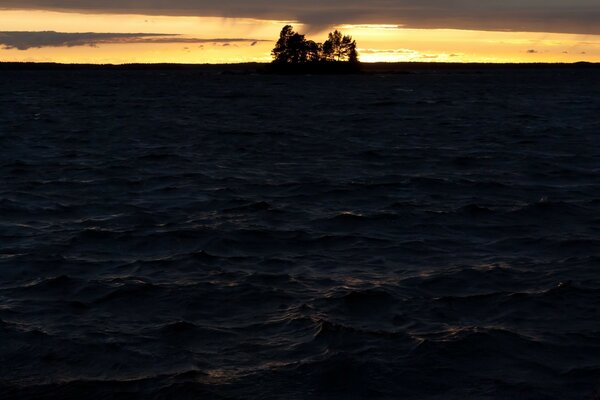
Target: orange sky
(256, 37)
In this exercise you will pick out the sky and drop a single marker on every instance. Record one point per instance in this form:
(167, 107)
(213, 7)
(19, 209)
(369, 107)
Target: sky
(230, 31)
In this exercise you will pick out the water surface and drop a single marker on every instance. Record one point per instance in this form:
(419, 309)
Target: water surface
(421, 236)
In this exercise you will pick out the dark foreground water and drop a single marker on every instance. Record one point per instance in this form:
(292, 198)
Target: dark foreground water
(167, 235)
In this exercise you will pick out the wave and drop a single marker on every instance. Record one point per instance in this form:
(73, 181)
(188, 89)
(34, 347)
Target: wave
(318, 237)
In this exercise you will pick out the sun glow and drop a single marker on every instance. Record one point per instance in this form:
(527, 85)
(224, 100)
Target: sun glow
(451, 45)
(193, 43)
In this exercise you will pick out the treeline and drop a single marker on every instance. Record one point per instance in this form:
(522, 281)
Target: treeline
(293, 48)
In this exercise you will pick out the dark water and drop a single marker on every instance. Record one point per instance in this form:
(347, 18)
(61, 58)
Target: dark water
(166, 235)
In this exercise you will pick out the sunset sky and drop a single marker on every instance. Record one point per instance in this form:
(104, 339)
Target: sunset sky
(228, 31)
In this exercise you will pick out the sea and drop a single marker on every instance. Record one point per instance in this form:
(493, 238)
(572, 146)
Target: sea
(179, 234)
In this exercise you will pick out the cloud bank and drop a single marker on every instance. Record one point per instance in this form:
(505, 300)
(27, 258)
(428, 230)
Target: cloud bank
(29, 40)
(564, 16)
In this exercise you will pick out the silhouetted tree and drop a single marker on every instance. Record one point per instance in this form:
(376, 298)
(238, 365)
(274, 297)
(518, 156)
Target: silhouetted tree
(290, 47)
(280, 52)
(293, 48)
(353, 54)
(348, 47)
(327, 51)
(340, 48)
(314, 51)
(298, 49)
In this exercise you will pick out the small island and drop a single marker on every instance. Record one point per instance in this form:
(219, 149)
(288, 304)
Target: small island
(294, 54)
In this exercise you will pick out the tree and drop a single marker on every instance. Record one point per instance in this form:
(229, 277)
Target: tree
(280, 52)
(290, 48)
(293, 48)
(327, 50)
(332, 46)
(353, 54)
(314, 51)
(298, 49)
(340, 48)
(348, 51)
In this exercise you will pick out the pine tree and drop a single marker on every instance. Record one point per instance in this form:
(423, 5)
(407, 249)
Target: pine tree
(293, 48)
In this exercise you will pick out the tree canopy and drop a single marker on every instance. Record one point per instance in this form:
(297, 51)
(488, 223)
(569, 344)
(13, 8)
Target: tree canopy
(294, 48)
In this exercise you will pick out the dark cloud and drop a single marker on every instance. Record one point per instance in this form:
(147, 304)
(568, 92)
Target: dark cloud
(571, 16)
(532, 51)
(28, 40)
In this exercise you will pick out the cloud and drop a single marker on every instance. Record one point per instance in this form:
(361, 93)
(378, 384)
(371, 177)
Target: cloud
(28, 40)
(566, 16)
(532, 51)
(386, 51)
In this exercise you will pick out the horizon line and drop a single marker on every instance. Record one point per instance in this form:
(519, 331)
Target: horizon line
(268, 63)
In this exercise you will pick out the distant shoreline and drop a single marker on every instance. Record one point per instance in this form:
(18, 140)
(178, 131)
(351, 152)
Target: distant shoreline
(249, 68)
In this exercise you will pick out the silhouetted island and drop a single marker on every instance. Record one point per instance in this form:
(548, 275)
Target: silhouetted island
(293, 53)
